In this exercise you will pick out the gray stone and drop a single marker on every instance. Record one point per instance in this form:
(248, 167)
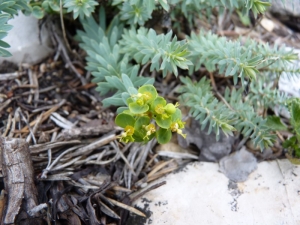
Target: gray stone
(286, 8)
(211, 149)
(238, 165)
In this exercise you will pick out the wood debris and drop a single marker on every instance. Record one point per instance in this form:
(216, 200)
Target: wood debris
(81, 173)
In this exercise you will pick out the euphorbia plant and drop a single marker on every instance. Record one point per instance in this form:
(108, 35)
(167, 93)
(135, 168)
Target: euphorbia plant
(148, 116)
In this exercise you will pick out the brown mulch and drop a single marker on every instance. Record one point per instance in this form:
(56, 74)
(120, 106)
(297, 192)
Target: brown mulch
(82, 173)
(54, 128)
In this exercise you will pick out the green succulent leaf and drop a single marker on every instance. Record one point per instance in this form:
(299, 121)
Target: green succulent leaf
(275, 123)
(164, 4)
(158, 105)
(124, 120)
(4, 53)
(295, 112)
(4, 28)
(164, 53)
(177, 115)
(4, 44)
(149, 90)
(81, 8)
(54, 5)
(129, 100)
(122, 109)
(135, 13)
(138, 109)
(37, 12)
(132, 91)
(139, 130)
(163, 122)
(45, 5)
(163, 136)
(297, 152)
(290, 143)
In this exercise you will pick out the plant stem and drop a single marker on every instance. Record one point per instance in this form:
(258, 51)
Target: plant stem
(63, 27)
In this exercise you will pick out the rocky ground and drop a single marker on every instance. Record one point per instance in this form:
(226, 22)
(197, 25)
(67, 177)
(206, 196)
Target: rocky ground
(51, 115)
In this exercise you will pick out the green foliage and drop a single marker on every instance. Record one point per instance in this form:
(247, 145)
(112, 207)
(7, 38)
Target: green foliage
(116, 53)
(257, 6)
(38, 12)
(275, 123)
(113, 73)
(250, 63)
(263, 95)
(193, 9)
(12, 7)
(50, 6)
(247, 121)
(138, 11)
(9, 8)
(231, 58)
(4, 28)
(232, 115)
(135, 13)
(275, 59)
(147, 116)
(80, 8)
(44, 7)
(205, 107)
(161, 50)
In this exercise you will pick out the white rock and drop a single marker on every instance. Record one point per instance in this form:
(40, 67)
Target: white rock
(290, 85)
(24, 40)
(200, 194)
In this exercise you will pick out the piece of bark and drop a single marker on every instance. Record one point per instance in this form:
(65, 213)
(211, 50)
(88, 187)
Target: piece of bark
(18, 179)
(2, 203)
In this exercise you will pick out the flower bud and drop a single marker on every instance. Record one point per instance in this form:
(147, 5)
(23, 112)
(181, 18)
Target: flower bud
(170, 108)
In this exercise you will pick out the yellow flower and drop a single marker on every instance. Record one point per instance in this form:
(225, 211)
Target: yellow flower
(126, 136)
(150, 130)
(176, 127)
(159, 109)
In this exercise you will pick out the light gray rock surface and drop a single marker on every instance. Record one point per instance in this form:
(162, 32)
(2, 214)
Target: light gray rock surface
(200, 194)
(26, 46)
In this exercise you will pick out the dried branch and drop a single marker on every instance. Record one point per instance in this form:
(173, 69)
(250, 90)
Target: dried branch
(18, 177)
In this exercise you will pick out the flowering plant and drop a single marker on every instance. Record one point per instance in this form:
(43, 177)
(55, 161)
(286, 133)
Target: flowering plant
(148, 116)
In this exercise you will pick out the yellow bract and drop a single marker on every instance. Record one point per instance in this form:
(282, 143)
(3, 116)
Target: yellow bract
(129, 130)
(175, 127)
(126, 136)
(147, 96)
(150, 130)
(159, 109)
